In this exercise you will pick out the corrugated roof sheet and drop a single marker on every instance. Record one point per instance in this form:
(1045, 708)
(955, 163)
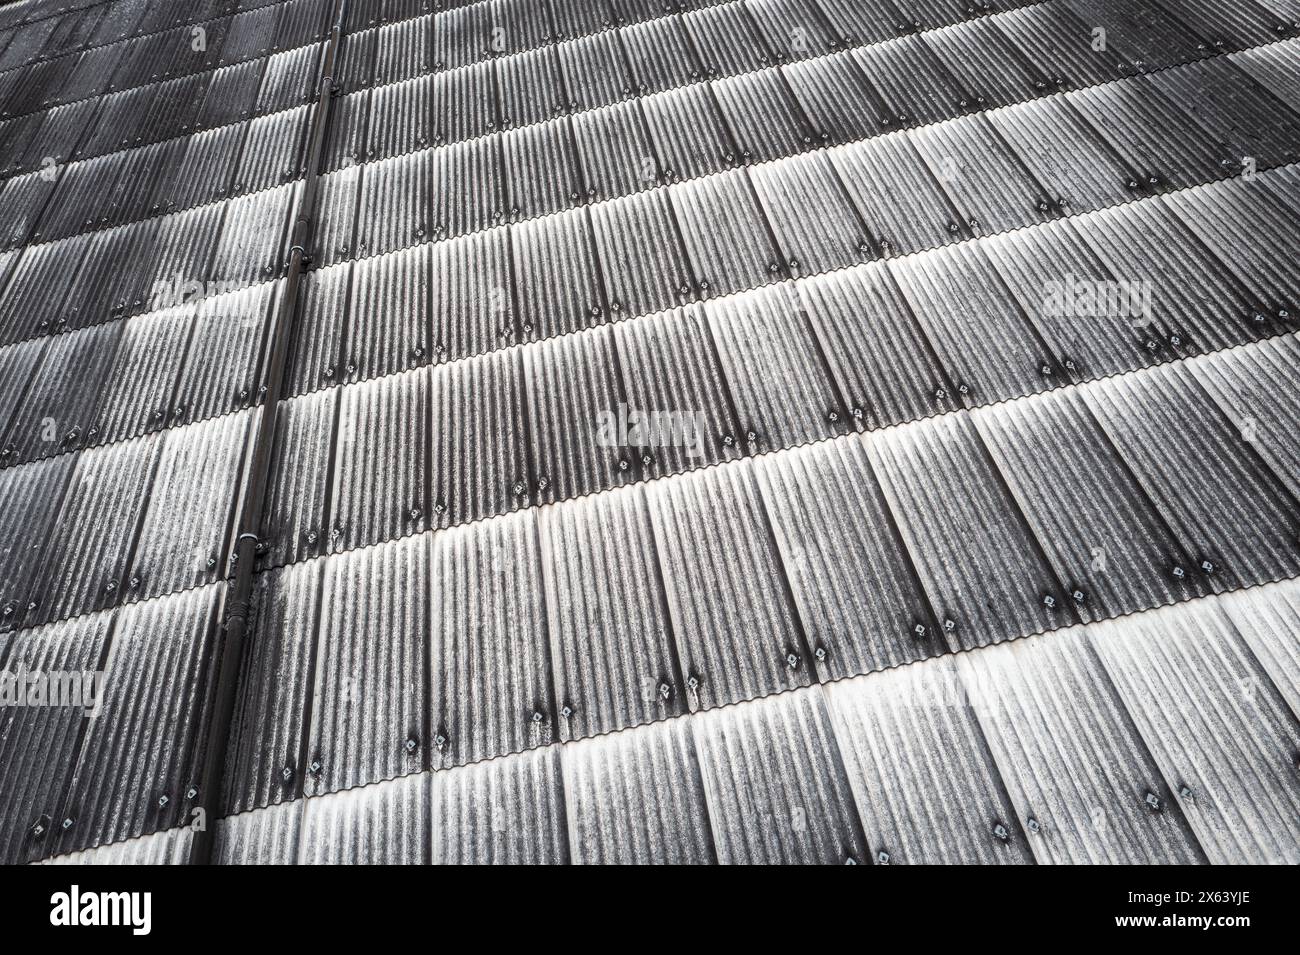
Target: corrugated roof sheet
(840, 253)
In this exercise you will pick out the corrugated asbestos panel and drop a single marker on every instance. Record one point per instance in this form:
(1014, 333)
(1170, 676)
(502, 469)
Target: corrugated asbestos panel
(38, 744)
(613, 650)
(573, 391)
(764, 117)
(402, 50)
(642, 257)
(139, 387)
(221, 365)
(160, 848)
(262, 837)
(837, 97)
(381, 461)
(1084, 785)
(370, 703)
(1235, 109)
(636, 798)
(464, 103)
(726, 39)
(531, 88)
(660, 55)
(1256, 387)
(345, 139)
(816, 224)
(492, 689)
(459, 34)
(1230, 511)
(1077, 170)
(558, 281)
(903, 205)
(388, 328)
(37, 285)
(24, 199)
(736, 626)
(273, 148)
(470, 290)
(775, 784)
(921, 772)
(793, 29)
(1232, 26)
(1105, 539)
(294, 527)
(466, 182)
(32, 495)
(1144, 33)
(773, 365)
(742, 258)
(574, 18)
(501, 812)
(1256, 234)
(139, 759)
(253, 235)
(479, 465)
(84, 564)
(1094, 318)
(670, 365)
(192, 505)
(316, 357)
(334, 234)
(265, 761)
(289, 78)
(17, 362)
(1274, 67)
(852, 580)
(594, 70)
(876, 351)
(1152, 134)
(385, 824)
(987, 64)
(989, 349)
(59, 408)
(990, 187)
(978, 561)
(689, 134)
(395, 204)
(540, 169)
(614, 150)
(915, 85)
(1268, 619)
(1189, 300)
(231, 95)
(1219, 730)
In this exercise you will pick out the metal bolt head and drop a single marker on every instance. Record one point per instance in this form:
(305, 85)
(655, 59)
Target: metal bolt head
(67, 823)
(882, 857)
(537, 716)
(665, 691)
(1000, 831)
(692, 683)
(1153, 802)
(919, 630)
(1207, 566)
(163, 800)
(411, 745)
(287, 773)
(566, 711)
(1180, 573)
(792, 661)
(1033, 824)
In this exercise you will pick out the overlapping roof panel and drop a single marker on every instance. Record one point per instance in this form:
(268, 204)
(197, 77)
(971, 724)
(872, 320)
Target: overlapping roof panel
(760, 430)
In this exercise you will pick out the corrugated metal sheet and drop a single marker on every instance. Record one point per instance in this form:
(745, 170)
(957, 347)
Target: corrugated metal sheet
(1207, 709)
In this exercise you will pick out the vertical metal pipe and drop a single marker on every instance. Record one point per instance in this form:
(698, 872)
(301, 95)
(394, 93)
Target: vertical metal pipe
(230, 647)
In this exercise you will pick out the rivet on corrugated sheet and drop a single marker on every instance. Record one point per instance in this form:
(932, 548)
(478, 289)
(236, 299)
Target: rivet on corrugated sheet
(882, 857)
(1000, 831)
(1153, 802)
(1033, 824)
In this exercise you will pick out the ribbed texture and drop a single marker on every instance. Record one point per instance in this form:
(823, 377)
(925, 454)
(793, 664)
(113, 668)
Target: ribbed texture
(138, 390)
(139, 756)
(641, 254)
(737, 629)
(370, 700)
(1073, 763)
(492, 690)
(848, 570)
(775, 784)
(161, 848)
(612, 647)
(637, 798)
(1206, 709)
(386, 824)
(979, 563)
(923, 777)
(1104, 537)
